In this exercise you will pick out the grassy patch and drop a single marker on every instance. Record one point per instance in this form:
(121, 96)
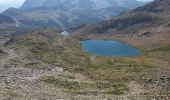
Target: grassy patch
(165, 49)
(110, 87)
(70, 85)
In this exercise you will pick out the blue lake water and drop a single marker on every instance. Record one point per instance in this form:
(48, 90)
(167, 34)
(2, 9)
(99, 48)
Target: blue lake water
(108, 48)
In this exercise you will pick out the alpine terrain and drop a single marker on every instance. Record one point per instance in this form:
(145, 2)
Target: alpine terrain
(66, 14)
(50, 63)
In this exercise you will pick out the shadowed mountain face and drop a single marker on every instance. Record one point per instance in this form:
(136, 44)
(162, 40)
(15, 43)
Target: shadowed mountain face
(158, 6)
(6, 21)
(146, 18)
(64, 14)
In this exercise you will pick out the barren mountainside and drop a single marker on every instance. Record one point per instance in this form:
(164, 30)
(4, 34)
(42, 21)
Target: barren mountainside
(151, 15)
(72, 4)
(65, 14)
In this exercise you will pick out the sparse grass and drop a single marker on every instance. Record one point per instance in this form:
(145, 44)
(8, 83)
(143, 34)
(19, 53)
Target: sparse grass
(165, 49)
(110, 87)
(50, 57)
(73, 59)
(12, 94)
(70, 85)
(119, 88)
(116, 71)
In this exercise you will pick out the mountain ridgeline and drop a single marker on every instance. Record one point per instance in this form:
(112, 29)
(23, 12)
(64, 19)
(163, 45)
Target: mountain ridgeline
(81, 4)
(149, 18)
(65, 14)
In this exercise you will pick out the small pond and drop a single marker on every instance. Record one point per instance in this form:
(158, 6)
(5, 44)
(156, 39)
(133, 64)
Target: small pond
(108, 48)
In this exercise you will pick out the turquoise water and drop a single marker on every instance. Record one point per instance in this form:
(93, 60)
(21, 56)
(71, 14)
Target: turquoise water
(108, 48)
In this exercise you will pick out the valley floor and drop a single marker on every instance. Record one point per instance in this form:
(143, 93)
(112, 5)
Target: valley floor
(43, 65)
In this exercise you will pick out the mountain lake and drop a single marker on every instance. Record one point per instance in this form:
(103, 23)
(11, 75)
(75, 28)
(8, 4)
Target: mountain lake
(108, 48)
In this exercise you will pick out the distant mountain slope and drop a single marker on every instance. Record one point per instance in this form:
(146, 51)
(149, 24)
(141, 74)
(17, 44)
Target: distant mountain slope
(71, 4)
(54, 3)
(60, 19)
(6, 21)
(65, 14)
(78, 4)
(131, 4)
(146, 18)
(159, 6)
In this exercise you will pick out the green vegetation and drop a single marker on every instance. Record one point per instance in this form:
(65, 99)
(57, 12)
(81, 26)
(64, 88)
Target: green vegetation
(70, 85)
(165, 49)
(112, 87)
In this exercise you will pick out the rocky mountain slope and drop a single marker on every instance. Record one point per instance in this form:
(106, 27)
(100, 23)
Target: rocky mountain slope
(6, 21)
(143, 19)
(45, 65)
(60, 19)
(81, 4)
(64, 14)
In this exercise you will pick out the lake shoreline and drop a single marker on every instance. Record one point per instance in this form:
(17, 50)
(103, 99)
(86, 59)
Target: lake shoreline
(107, 44)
